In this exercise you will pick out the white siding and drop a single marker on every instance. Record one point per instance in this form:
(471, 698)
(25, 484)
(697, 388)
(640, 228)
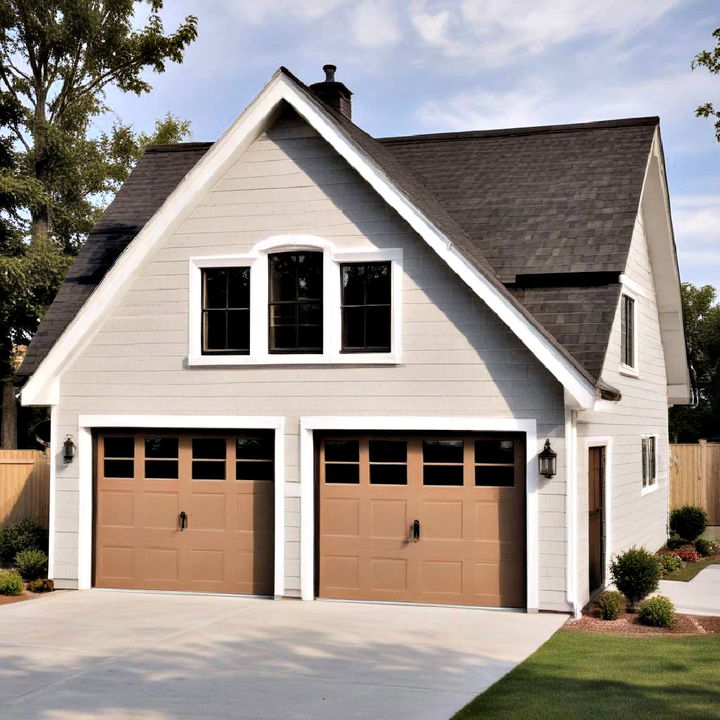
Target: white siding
(458, 358)
(635, 519)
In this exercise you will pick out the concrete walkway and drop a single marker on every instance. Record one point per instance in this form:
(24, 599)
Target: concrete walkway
(700, 596)
(132, 656)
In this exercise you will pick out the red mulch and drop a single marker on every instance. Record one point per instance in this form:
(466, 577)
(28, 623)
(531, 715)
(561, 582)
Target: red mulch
(7, 599)
(629, 624)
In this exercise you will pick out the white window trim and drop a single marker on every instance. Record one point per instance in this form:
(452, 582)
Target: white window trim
(431, 424)
(86, 424)
(655, 483)
(257, 261)
(630, 370)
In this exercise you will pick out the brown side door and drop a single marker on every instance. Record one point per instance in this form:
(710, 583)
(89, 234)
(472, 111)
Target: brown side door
(420, 518)
(184, 511)
(596, 519)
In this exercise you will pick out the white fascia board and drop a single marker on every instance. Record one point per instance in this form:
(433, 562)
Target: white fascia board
(234, 141)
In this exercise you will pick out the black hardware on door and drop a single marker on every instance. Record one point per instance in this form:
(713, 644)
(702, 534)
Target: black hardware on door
(183, 520)
(416, 530)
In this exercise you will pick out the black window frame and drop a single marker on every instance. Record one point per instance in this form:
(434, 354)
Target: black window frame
(205, 310)
(296, 303)
(627, 331)
(365, 348)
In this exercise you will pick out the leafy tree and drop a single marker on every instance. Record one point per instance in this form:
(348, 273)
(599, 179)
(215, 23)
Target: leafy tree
(57, 59)
(701, 314)
(710, 59)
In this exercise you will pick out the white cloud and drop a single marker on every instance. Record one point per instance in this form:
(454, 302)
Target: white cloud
(374, 23)
(260, 11)
(696, 219)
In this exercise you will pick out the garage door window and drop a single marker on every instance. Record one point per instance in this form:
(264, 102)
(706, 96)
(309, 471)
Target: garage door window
(254, 458)
(208, 458)
(161, 458)
(342, 461)
(119, 460)
(388, 462)
(495, 463)
(443, 462)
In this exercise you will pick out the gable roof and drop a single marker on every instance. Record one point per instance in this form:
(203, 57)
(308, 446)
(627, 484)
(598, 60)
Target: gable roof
(406, 164)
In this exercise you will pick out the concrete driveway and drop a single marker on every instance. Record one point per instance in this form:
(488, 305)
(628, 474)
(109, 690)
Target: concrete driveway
(105, 654)
(700, 596)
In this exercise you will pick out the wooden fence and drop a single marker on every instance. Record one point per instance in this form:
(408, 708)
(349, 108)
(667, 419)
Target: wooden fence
(695, 477)
(24, 486)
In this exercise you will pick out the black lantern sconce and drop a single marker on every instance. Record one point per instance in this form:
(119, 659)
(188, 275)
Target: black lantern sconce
(68, 449)
(548, 461)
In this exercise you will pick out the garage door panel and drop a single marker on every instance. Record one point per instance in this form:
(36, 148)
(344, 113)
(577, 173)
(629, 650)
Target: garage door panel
(342, 572)
(389, 575)
(341, 517)
(227, 542)
(389, 519)
(442, 519)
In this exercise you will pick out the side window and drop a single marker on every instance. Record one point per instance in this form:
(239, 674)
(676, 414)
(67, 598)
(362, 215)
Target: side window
(627, 325)
(226, 311)
(296, 302)
(649, 461)
(366, 307)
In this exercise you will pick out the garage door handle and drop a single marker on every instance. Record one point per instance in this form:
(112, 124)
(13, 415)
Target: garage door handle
(183, 520)
(416, 531)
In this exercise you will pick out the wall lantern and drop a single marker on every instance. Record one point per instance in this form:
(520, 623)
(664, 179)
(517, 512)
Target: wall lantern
(548, 461)
(68, 449)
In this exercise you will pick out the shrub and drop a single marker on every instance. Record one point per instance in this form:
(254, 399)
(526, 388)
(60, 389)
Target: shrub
(25, 535)
(688, 521)
(10, 583)
(670, 563)
(657, 611)
(610, 604)
(675, 543)
(41, 586)
(687, 555)
(706, 547)
(31, 564)
(636, 573)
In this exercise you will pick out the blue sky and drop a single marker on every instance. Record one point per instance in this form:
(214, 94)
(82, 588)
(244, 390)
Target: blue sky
(438, 65)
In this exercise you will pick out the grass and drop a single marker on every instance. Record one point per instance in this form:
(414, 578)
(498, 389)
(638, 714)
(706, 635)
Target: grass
(687, 573)
(586, 676)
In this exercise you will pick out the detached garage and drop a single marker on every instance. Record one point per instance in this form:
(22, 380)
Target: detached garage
(422, 518)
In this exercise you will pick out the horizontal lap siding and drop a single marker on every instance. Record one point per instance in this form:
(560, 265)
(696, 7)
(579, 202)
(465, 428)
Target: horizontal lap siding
(459, 359)
(636, 519)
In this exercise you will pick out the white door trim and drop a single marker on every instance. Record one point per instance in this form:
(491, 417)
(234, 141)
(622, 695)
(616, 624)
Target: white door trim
(469, 424)
(607, 442)
(86, 424)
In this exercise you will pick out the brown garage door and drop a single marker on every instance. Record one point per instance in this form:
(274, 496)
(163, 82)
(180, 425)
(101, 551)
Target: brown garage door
(223, 483)
(418, 518)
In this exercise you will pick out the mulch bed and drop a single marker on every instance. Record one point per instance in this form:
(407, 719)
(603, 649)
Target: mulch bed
(7, 599)
(629, 624)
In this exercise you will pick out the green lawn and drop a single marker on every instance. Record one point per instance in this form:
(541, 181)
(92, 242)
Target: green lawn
(585, 676)
(690, 570)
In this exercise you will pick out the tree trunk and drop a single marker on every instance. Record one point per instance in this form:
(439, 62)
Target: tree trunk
(9, 415)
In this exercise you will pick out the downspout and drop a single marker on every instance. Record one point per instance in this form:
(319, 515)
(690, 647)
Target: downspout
(571, 472)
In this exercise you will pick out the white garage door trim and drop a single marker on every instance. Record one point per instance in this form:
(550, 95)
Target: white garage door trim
(469, 424)
(86, 424)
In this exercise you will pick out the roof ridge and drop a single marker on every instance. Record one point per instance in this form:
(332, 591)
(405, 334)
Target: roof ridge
(530, 130)
(178, 147)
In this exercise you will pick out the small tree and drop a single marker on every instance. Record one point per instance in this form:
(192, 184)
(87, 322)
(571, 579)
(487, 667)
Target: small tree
(689, 522)
(636, 573)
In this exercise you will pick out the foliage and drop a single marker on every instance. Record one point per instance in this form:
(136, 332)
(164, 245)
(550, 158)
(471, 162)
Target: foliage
(610, 604)
(31, 564)
(710, 59)
(10, 583)
(687, 555)
(41, 585)
(25, 535)
(688, 522)
(657, 611)
(669, 563)
(675, 543)
(636, 573)
(701, 316)
(706, 547)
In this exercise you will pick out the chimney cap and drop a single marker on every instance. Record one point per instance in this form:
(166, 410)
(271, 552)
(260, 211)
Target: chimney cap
(329, 71)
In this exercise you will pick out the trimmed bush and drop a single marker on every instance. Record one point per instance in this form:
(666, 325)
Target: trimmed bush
(657, 611)
(25, 535)
(706, 547)
(10, 583)
(31, 564)
(669, 563)
(688, 521)
(675, 543)
(636, 573)
(41, 586)
(610, 604)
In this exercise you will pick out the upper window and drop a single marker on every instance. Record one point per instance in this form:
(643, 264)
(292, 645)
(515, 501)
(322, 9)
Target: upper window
(296, 302)
(649, 461)
(226, 311)
(366, 308)
(627, 329)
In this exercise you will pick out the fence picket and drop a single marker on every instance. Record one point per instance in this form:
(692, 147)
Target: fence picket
(24, 486)
(695, 477)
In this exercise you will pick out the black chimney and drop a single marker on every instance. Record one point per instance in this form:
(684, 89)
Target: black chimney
(333, 93)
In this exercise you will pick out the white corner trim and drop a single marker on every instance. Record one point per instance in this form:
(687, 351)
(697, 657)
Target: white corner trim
(52, 489)
(257, 260)
(571, 508)
(86, 424)
(469, 424)
(232, 143)
(607, 442)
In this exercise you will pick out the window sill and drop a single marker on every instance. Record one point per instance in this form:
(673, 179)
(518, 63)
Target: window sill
(629, 371)
(279, 360)
(649, 489)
